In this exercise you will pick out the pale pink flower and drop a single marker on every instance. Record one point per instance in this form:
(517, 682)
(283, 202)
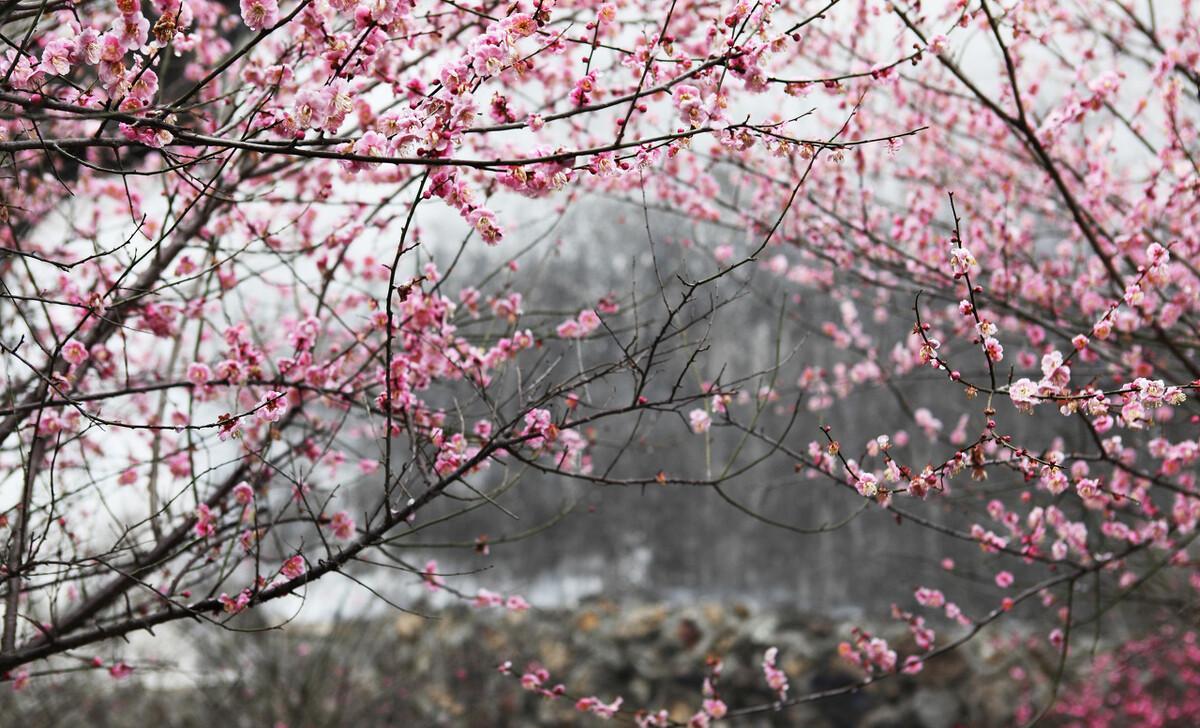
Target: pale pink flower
(243, 493)
(56, 57)
(271, 407)
(259, 14)
(342, 525)
(205, 521)
(488, 598)
(433, 581)
(867, 485)
(1023, 393)
(588, 321)
(233, 605)
(715, 708)
(198, 373)
(75, 352)
(569, 329)
(776, 678)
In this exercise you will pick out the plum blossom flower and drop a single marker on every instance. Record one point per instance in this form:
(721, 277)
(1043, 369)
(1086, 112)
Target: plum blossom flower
(243, 493)
(569, 329)
(205, 522)
(606, 13)
(487, 598)
(658, 719)
(293, 568)
(932, 598)
(540, 423)
(484, 222)
(715, 708)
(433, 581)
(688, 100)
(961, 261)
(259, 14)
(599, 708)
(867, 485)
(1023, 393)
(585, 323)
(271, 407)
(87, 46)
(234, 605)
(342, 526)
(198, 374)
(993, 349)
(776, 678)
(581, 94)
(588, 321)
(75, 352)
(120, 670)
(56, 57)
(879, 654)
(700, 421)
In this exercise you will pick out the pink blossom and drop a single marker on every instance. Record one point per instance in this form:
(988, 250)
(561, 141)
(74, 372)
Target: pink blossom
(487, 598)
(569, 329)
(867, 485)
(234, 605)
(243, 493)
(205, 525)
(120, 670)
(293, 568)
(715, 708)
(342, 526)
(260, 14)
(198, 374)
(599, 708)
(74, 352)
(433, 581)
(271, 407)
(1023, 393)
(776, 678)
(56, 57)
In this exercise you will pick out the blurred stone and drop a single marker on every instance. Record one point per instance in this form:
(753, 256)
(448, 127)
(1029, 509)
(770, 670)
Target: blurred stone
(936, 708)
(688, 633)
(641, 622)
(408, 626)
(442, 672)
(587, 622)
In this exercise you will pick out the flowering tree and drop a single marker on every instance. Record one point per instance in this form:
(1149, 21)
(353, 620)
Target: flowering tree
(246, 346)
